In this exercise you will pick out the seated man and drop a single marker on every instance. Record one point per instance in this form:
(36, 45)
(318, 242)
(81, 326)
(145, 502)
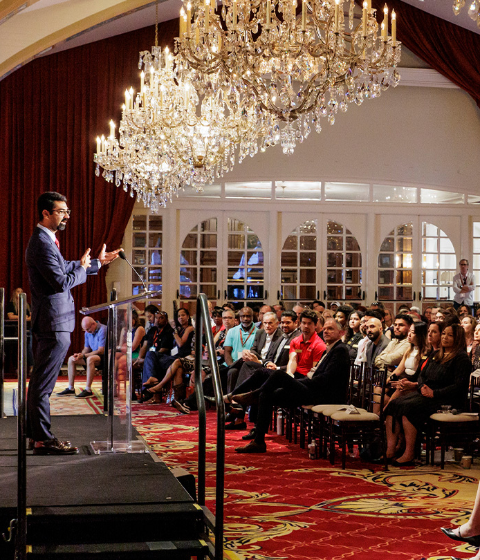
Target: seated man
(377, 341)
(240, 338)
(161, 341)
(254, 357)
(325, 384)
(392, 355)
(91, 357)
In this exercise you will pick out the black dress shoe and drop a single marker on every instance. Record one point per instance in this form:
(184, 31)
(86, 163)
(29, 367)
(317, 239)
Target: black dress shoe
(252, 447)
(474, 541)
(405, 464)
(250, 435)
(54, 447)
(233, 426)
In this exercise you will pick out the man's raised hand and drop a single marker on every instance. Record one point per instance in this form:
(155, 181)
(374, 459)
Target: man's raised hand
(107, 258)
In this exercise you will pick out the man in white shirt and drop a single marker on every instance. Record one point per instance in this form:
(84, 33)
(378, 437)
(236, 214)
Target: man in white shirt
(463, 286)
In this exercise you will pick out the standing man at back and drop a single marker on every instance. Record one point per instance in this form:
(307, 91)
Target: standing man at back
(53, 314)
(463, 286)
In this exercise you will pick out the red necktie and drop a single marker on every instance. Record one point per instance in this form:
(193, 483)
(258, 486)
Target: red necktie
(57, 243)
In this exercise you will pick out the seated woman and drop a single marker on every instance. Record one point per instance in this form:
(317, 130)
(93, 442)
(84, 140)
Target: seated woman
(468, 323)
(442, 379)
(138, 332)
(413, 357)
(475, 351)
(12, 315)
(353, 335)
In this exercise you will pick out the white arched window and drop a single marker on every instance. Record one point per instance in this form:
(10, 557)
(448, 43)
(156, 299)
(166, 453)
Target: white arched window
(223, 259)
(305, 276)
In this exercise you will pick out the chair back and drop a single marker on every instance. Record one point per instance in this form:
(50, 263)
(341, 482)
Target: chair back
(374, 384)
(474, 399)
(355, 384)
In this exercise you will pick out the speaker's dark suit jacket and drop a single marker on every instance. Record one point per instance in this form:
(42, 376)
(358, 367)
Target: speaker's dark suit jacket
(53, 319)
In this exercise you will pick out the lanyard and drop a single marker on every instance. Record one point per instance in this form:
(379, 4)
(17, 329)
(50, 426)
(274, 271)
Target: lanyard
(250, 334)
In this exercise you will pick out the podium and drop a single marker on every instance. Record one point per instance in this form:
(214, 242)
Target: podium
(118, 365)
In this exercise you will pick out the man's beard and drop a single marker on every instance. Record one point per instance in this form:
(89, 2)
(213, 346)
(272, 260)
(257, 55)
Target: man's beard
(61, 226)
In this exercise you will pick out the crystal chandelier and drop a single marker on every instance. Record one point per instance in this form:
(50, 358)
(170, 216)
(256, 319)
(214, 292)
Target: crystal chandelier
(176, 131)
(294, 63)
(473, 10)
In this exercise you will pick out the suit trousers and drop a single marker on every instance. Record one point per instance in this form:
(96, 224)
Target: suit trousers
(50, 354)
(280, 390)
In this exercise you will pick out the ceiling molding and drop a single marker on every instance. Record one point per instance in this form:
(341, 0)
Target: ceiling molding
(424, 77)
(9, 8)
(25, 55)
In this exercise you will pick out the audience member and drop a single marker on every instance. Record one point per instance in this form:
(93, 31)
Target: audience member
(334, 306)
(342, 314)
(305, 350)
(149, 313)
(91, 357)
(377, 340)
(318, 306)
(468, 323)
(320, 323)
(241, 337)
(464, 311)
(475, 350)
(377, 305)
(264, 309)
(298, 308)
(393, 353)
(353, 335)
(327, 383)
(12, 306)
(159, 343)
(434, 335)
(442, 379)
(264, 338)
(279, 309)
(427, 313)
(362, 345)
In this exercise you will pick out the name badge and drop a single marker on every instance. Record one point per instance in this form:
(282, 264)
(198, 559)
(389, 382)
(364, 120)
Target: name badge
(174, 351)
(151, 349)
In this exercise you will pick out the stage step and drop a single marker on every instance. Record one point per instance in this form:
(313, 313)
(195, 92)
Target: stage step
(165, 550)
(114, 524)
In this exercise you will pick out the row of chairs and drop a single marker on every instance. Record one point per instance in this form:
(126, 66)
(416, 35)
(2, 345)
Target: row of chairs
(361, 421)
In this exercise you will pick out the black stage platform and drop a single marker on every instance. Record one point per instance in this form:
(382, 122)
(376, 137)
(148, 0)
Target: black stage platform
(87, 500)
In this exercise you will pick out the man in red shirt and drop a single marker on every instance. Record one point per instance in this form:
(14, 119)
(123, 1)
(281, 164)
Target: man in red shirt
(307, 349)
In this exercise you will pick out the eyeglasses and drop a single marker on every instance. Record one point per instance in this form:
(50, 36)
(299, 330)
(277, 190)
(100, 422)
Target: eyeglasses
(63, 212)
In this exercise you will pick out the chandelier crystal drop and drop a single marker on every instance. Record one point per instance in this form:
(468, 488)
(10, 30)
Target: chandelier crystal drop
(294, 62)
(473, 9)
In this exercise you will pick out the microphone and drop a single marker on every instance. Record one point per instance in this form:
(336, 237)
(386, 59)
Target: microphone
(123, 256)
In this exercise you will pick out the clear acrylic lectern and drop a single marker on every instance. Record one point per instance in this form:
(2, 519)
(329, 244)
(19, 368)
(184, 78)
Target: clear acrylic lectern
(118, 366)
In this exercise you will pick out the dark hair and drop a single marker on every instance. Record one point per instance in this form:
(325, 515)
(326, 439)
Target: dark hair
(290, 314)
(375, 313)
(466, 307)
(404, 317)
(151, 309)
(229, 305)
(217, 312)
(309, 314)
(421, 330)
(345, 309)
(177, 322)
(46, 201)
(459, 343)
(319, 303)
(379, 304)
(349, 332)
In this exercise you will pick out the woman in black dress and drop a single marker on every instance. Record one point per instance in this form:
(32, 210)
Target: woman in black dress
(442, 379)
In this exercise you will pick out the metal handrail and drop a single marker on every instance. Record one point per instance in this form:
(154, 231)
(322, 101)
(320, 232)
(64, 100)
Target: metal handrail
(21, 527)
(202, 324)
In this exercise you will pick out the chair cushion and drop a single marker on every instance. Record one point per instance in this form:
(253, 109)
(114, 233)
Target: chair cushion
(452, 418)
(333, 409)
(364, 416)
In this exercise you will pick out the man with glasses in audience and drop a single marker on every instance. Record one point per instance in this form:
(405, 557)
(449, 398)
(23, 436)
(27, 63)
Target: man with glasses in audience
(463, 286)
(51, 278)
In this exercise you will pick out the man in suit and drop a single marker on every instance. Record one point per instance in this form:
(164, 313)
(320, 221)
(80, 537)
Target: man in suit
(253, 358)
(326, 383)
(53, 314)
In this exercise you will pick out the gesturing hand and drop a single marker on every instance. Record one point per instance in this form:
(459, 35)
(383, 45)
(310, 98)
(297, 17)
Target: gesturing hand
(85, 260)
(107, 258)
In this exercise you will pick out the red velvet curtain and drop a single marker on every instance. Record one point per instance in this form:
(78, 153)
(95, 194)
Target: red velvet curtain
(51, 111)
(448, 48)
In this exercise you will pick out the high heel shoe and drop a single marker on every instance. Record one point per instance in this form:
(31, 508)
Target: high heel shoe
(474, 541)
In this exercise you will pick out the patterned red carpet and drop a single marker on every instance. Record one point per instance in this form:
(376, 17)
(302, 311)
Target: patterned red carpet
(283, 505)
